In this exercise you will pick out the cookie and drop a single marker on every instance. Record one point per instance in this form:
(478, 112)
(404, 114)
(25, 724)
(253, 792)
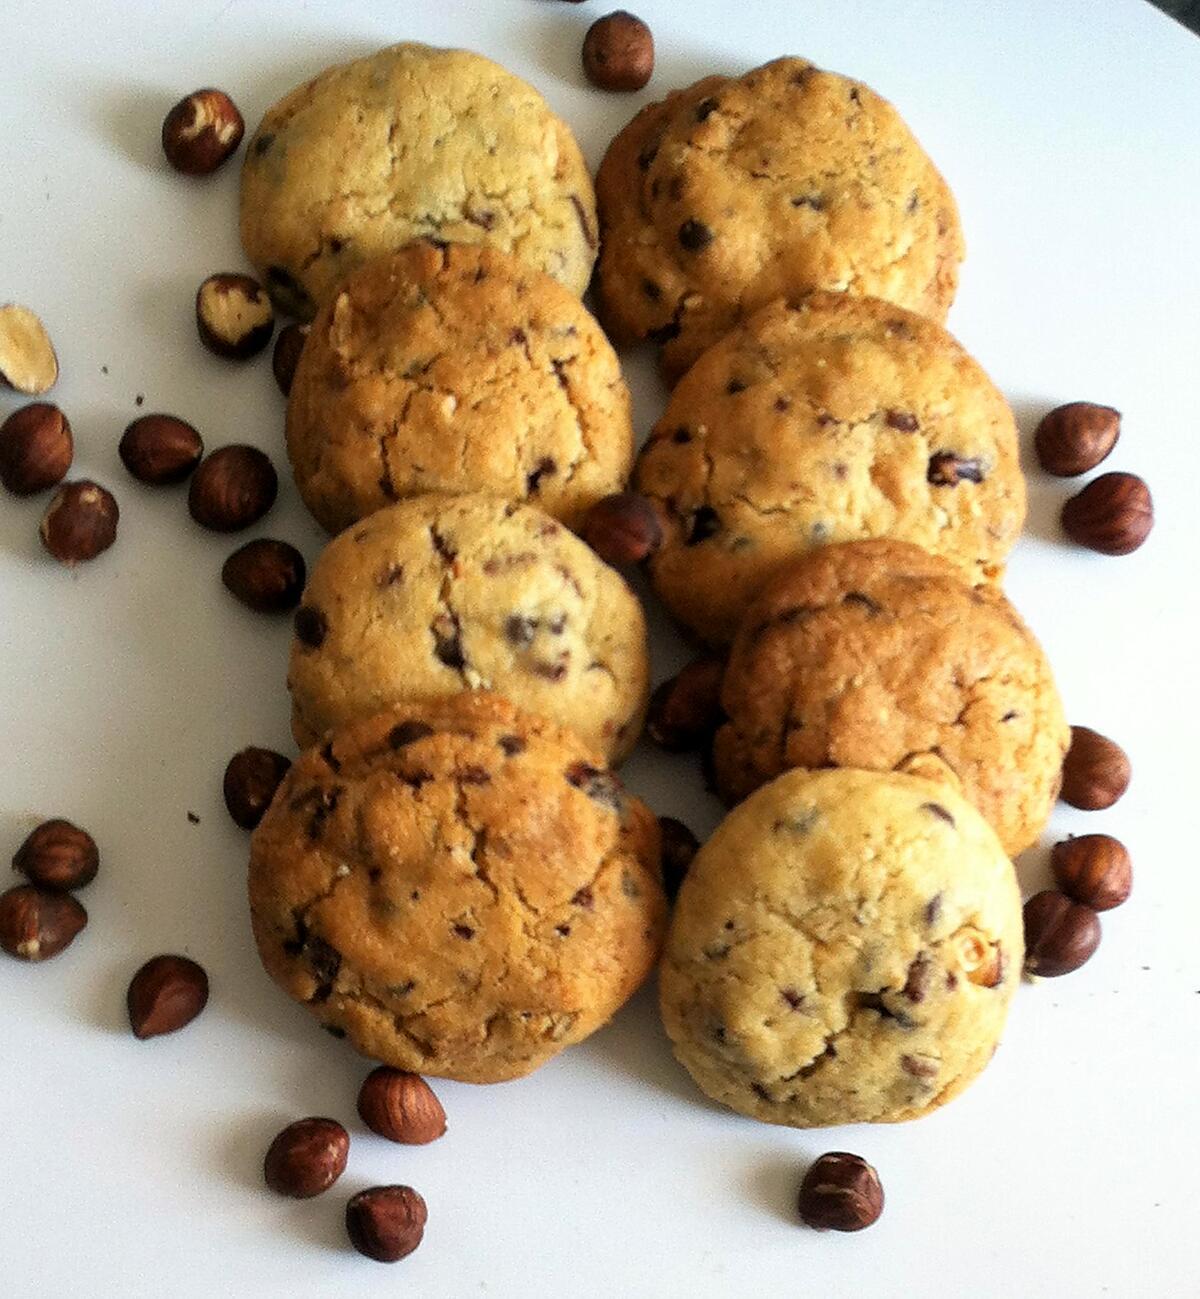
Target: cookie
(412, 141)
(877, 655)
(443, 593)
(741, 190)
(831, 419)
(843, 950)
(457, 887)
(454, 368)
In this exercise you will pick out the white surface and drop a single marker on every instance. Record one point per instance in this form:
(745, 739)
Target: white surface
(1070, 133)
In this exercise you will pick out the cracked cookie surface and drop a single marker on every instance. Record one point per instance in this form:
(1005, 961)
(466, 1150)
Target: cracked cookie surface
(459, 888)
(442, 593)
(831, 419)
(411, 141)
(876, 655)
(737, 191)
(844, 949)
(455, 368)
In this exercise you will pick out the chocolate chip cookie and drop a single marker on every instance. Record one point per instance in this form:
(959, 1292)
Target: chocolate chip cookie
(458, 887)
(843, 950)
(830, 419)
(740, 190)
(455, 368)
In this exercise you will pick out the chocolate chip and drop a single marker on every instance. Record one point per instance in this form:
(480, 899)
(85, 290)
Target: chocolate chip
(792, 997)
(1011, 715)
(520, 629)
(543, 469)
(263, 144)
(325, 808)
(665, 333)
(551, 671)
(443, 547)
(705, 523)
(584, 225)
(706, 108)
(336, 245)
(695, 235)
(474, 776)
(563, 931)
(393, 575)
(414, 779)
(512, 745)
(933, 910)
(734, 386)
(311, 626)
(327, 756)
(874, 1001)
(584, 898)
(782, 404)
(651, 290)
(405, 733)
(760, 1091)
(681, 437)
(599, 785)
(447, 641)
(902, 420)
(324, 960)
(920, 972)
(948, 470)
(936, 809)
(334, 1031)
(872, 607)
(814, 201)
(464, 931)
(919, 1066)
(648, 154)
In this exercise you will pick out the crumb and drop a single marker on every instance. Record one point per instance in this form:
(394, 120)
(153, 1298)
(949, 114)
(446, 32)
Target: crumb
(141, 397)
(193, 818)
(104, 369)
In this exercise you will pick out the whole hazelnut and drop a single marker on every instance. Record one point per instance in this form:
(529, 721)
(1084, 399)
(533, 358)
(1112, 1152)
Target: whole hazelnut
(386, 1223)
(840, 1192)
(624, 528)
(1060, 934)
(1093, 869)
(401, 1107)
(80, 522)
(27, 359)
(286, 356)
(1113, 514)
(35, 448)
(233, 488)
(234, 316)
(618, 52)
(36, 924)
(160, 449)
(58, 855)
(251, 779)
(679, 848)
(1096, 770)
(306, 1158)
(1074, 438)
(165, 994)
(265, 575)
(201, 131)
(686, 710)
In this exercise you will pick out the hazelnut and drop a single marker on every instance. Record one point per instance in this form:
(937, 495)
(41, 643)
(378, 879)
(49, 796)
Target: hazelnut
(58, 855)
(686, 710)
(80, 522)
(1113, 514)
(840, 1192)
(234, 316)
(251, 779)
(27, 359)
(624, 528)
(618, 52)
(201, 131)
(1096, 770)
(165, 994)
(306, 1158)
(160, 449)
(679, 847)
(1060, 935)
(1093, 869)
(1076, 437)
(35, 448)
(266, 575)
(401, 1107)
(286, 355)
(36, 924)
(386, 1223)
(233, 488)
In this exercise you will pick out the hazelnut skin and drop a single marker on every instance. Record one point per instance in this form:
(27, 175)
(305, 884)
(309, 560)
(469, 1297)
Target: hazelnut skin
(1060, 934)
(306, 1158)
(202, 131)
(840, 1192)
(1113, 514)
(1093, 869)
(58, 855)
(1074, 438)
(165, 994)
(1096, 770)
(36, 924)
(386, 1223)
(618, 52)
(401, 1107)
(233, 488)
(36, 448)
(624, 528)
(160, 449)
(80, 522)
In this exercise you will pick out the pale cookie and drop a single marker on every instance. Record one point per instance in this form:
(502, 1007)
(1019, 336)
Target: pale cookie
(843, 950)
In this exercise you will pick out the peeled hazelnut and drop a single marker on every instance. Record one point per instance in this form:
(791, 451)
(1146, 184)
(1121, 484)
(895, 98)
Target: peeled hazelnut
(201, 131)
(1093, 869)
(233, 488)
(80, 522)
(35, 448)
(624, 528)
(679, 847)
(266, 575)
(401, 1107)
(167, 993)
(234, 316)
(1096, 770)
(286, 355)
(618, 52)
(36, 924)
(160, 449)
(1113, 514)
(251, 779)
(1074, 438)
(306, 1158)
(386, 1223)
(840, 1192)
(686, 710)
(27, 359)
(58, 855)
(1060, 935)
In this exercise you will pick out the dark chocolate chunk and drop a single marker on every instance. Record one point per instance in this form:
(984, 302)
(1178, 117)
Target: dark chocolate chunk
(936, 809)
(705, 523)
(405, 733)
(694, 235)
(903, 421)
(948, 470)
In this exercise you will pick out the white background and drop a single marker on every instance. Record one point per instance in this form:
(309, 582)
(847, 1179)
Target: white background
(1070, 132)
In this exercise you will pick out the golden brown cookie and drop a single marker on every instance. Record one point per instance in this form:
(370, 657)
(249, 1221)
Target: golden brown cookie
(740, 190)
(877, 655)
(458, 887)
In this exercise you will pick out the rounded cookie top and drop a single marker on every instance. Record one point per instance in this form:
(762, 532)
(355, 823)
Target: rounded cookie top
(455, 368)
(831, 419)
(411, 141)
(843, 950)
(738, 191)
(443, 593)
(877, 655)
(458, 887)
